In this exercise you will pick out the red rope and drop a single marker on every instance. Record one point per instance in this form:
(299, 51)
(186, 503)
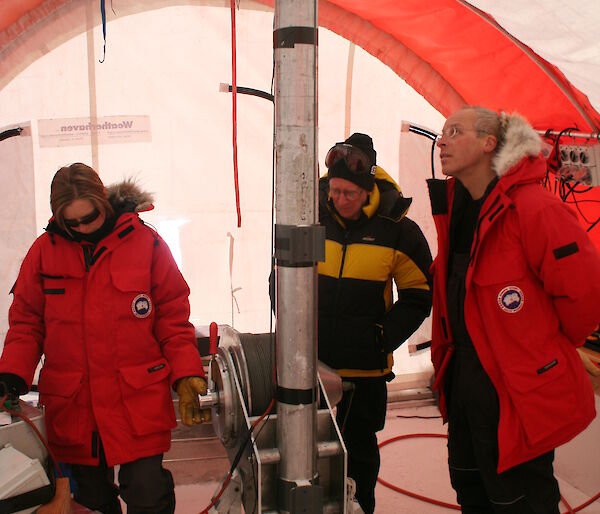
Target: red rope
(450, 505)
(410, 493)
(18, 414)
(234, 114)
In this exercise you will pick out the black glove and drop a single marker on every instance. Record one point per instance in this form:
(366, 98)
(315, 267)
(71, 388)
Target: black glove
(12, 384)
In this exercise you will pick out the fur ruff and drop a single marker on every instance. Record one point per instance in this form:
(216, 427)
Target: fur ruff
(520, 140)
(129, 193)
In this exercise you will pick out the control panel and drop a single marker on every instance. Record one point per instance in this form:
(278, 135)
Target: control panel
(580, 163)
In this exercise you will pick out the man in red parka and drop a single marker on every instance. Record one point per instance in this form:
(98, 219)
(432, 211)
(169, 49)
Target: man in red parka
(516, 283)
(101, 298)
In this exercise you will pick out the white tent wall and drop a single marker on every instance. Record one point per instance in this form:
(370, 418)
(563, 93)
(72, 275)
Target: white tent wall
(167, 64)
(17, 212)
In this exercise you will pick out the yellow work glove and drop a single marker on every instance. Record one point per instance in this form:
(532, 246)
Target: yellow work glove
(592, 369)
(188, 389)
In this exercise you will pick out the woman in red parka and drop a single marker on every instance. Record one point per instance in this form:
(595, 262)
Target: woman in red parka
(100, 297)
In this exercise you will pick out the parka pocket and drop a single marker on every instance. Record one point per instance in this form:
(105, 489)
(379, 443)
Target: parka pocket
(506, 297)
(62, 297)
(534, 391)
(136, 281)
(147, 396)
(53, 284)
(58, 392)
(132, 294)
(507, 266)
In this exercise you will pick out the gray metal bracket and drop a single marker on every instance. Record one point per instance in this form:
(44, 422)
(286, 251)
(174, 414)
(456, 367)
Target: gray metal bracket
(299, 245)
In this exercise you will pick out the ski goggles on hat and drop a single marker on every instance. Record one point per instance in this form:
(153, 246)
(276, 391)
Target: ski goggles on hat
(356, 160)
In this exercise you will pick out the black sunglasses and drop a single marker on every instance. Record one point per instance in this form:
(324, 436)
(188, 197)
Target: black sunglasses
(86, 220)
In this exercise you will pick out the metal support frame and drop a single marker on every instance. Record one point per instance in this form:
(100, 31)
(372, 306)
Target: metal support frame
(259, 467)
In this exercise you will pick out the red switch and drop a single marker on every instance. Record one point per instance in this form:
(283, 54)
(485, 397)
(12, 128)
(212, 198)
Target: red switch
(213, 337)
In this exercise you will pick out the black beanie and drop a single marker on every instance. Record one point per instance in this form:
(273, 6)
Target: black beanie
(340, 168)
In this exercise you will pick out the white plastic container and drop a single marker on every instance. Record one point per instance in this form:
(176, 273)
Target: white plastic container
(19, 474)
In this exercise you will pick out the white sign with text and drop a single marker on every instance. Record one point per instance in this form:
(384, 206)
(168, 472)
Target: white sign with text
(78, 131)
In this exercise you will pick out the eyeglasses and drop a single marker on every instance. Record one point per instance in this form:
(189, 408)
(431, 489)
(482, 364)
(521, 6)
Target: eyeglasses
(349, 194)
(455, 130)
(85, 220)
(357, 161)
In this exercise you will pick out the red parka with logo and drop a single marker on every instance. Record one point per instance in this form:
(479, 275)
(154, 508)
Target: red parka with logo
(113, 330)
(532, 289)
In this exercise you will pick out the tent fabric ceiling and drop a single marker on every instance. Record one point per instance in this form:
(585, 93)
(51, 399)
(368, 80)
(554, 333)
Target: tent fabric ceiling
(473, 61)
(447, 50)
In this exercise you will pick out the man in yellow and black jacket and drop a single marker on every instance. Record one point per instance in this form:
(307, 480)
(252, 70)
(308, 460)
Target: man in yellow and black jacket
(369, 243)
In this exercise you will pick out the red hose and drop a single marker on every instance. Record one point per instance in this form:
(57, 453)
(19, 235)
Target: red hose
(570, 510)
(410, 493)
(35, 429)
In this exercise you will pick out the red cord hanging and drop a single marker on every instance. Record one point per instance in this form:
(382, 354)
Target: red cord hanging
(16, 413)
(234, 114)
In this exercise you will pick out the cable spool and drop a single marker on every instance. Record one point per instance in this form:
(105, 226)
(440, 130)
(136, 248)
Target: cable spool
(258, 350)
(242, 372)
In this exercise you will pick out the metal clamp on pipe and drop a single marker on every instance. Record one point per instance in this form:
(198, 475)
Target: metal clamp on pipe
(299, 245)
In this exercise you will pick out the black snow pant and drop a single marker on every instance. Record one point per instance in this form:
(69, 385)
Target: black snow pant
(360, 415)
(473, 412)
(144, 485)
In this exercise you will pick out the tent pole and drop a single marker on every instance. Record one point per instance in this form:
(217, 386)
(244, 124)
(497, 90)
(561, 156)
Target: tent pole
(299, 244)
(91, 65)
(570, 133)
(349, 76)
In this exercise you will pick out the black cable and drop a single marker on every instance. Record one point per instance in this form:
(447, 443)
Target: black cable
(570, 189)
(429, 135)
(10, 133)
(237, 458)
(252, 92)
(589, 188)
(556, 142)
(255, 464)
(581, 213)
(432, 159)
(423, 132)
(593, 224)
(257, 350)
(351, 393)
(565, 189)
(582, 201)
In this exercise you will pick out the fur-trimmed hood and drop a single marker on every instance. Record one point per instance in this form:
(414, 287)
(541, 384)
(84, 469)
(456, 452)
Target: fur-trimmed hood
(127, 196)
(124, 197)
(520, 140)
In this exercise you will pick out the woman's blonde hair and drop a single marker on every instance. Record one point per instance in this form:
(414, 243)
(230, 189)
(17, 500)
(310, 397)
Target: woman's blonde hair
(74, 182)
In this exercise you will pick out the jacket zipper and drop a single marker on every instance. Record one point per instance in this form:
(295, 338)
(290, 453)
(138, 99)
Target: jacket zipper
(88, 260)
(492, 216)
(337, 293)
(88, 256)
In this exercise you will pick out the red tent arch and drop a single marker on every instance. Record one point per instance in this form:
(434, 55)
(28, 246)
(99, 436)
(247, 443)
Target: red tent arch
(449, 51)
